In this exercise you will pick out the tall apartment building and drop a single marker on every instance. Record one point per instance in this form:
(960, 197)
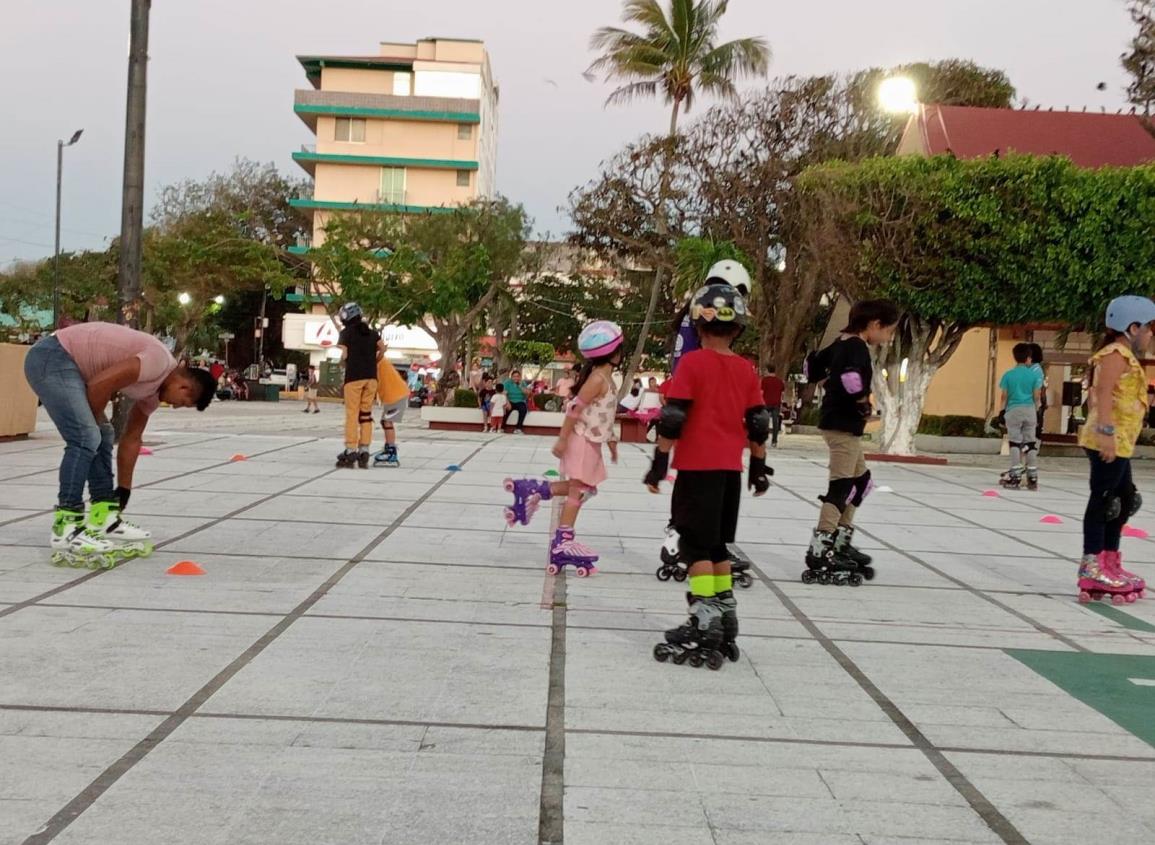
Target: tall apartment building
(412, 129)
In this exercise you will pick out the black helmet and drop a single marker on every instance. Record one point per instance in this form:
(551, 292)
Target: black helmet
(718, 302)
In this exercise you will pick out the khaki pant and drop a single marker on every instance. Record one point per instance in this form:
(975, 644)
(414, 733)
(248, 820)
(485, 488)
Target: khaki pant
(359, 396)
(846, 461)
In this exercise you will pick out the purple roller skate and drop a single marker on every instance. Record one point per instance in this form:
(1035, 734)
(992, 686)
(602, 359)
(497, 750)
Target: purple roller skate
(566, 551)
(528, 494)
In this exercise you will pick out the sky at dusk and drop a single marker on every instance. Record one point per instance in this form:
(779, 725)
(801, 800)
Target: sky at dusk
(222, 75)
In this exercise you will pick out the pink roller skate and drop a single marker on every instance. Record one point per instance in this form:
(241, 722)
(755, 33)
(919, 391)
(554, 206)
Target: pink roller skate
(1113, 563)
(528, 494)
(1097, 580)
(566, 551)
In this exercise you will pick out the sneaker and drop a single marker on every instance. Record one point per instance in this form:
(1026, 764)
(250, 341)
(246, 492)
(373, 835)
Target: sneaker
(316, 410)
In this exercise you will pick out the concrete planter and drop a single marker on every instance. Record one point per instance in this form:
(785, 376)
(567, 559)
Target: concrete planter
(958, 445)
(18, 410)
(469, 419)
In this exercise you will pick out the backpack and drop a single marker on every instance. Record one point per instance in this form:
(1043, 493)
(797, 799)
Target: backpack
(816, 367)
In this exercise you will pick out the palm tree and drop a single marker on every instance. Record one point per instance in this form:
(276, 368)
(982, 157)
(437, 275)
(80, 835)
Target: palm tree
(675, 56)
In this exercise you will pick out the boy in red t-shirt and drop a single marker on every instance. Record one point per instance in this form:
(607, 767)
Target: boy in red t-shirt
(714, 408)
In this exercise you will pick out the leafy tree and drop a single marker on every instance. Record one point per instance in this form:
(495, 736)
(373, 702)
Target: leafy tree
(675, 56)
(1139, 62)
(530, 353)
(962, 243)
(440, 271)
(87, 286)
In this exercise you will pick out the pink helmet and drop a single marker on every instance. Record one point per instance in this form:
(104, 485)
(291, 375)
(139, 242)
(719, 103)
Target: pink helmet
(599, 339)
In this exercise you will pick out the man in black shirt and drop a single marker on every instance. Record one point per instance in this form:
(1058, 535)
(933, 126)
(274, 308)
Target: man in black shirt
(361, 348)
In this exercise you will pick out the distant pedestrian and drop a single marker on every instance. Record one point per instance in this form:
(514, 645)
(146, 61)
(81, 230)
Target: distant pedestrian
(515, 394)
(498, 408)
(772, 389)
(312, 382)
(1020, 388)
(484, 399)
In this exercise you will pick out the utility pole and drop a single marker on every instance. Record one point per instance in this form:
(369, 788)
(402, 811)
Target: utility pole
(60, 145)
(132, 208)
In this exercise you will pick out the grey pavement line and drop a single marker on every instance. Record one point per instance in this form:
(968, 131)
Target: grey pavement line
(60, 445)
(481, 726)
(113, 773)
(987, 811)
(1034, 623)
(172, 477)
(551, 815)
(76, 582)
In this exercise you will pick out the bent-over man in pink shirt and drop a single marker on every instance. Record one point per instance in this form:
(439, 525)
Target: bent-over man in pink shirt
(76, 372)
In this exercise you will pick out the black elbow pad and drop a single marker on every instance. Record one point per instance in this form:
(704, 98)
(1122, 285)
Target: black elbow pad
(673, 418)
(758, 425)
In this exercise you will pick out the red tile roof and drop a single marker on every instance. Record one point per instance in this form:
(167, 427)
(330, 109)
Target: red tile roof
(1089, 140)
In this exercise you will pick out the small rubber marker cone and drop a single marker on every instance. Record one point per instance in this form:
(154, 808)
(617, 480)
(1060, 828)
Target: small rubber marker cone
(551, 473)
(145, 451)
(1052, 519)
(185, 567)
(991, 494)
(236, 458)
(453, 468)
(1137, 533)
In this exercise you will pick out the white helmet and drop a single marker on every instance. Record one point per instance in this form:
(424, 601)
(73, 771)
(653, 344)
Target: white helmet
(730, 273)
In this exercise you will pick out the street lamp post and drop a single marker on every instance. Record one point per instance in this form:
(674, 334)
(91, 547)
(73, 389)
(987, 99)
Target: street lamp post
(60, 145)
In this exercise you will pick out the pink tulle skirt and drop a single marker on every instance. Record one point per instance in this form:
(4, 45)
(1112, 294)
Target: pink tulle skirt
(583, 462)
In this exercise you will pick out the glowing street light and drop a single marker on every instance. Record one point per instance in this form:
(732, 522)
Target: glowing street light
(898, 95)
(183, 298)
(219, 299)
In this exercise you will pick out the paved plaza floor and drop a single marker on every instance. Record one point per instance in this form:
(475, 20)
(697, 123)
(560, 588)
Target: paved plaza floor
(374, 657)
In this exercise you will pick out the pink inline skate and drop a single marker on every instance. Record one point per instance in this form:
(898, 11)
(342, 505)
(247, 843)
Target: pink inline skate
(1098, 580)
(528, 494)
(566, 551)
(1113, 563)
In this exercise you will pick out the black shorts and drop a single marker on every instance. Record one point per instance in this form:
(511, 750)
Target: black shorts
(705, 508)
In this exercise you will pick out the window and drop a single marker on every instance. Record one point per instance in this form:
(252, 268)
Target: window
(392, 185)
(464, 131)
(463, 178)
(350, 129)
(402, 84)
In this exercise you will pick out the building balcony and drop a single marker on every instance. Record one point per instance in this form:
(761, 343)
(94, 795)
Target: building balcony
(310, 104)
(308, 204)
(309, 159)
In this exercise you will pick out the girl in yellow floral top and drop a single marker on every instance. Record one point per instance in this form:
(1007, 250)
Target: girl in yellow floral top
(1117, 408)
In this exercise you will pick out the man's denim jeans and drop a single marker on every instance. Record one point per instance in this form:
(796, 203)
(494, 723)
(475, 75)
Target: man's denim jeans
(87, 446)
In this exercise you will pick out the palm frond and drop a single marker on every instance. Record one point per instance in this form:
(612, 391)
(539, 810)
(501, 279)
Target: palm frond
(631, 92)
(736, 59)
(650, 15)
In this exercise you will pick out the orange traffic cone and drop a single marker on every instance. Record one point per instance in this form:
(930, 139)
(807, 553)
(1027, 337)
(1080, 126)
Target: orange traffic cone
(185, 567)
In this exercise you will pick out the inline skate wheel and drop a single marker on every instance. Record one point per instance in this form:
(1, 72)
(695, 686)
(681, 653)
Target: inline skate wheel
(680, 657)
(661, 653)
(663, 573)
(680, 575)
(855, 580)
(552, 569)
(582, 571)
(808, 576)
(715, 660)
(744, 580)
(696, 658)
(508, 485)
(824, 577)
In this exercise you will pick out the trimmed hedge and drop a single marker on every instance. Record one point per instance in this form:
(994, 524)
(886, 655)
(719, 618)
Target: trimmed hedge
(464, 397)
(954, 425)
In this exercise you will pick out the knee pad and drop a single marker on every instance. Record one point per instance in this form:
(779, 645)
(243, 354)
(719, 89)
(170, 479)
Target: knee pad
(1130, 501)
(1106, 508)
(387, 425)
(719, 554)
(863, 484)
(691, 552)
(1033, 446)
(839, 493)
(364, 417)
(1014, 445)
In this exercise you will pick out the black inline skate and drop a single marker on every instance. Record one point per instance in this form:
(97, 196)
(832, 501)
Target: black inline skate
(363, 459)
(729, 607)
(347, 460)
(824, 565)
(674, 567)
(697, 640)
(1011, 479)
(844, 546)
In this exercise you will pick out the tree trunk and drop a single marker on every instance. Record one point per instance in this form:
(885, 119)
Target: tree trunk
(925, 345)
(659, 272)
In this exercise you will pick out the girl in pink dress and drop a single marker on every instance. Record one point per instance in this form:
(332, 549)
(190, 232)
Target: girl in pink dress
(589, 423)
